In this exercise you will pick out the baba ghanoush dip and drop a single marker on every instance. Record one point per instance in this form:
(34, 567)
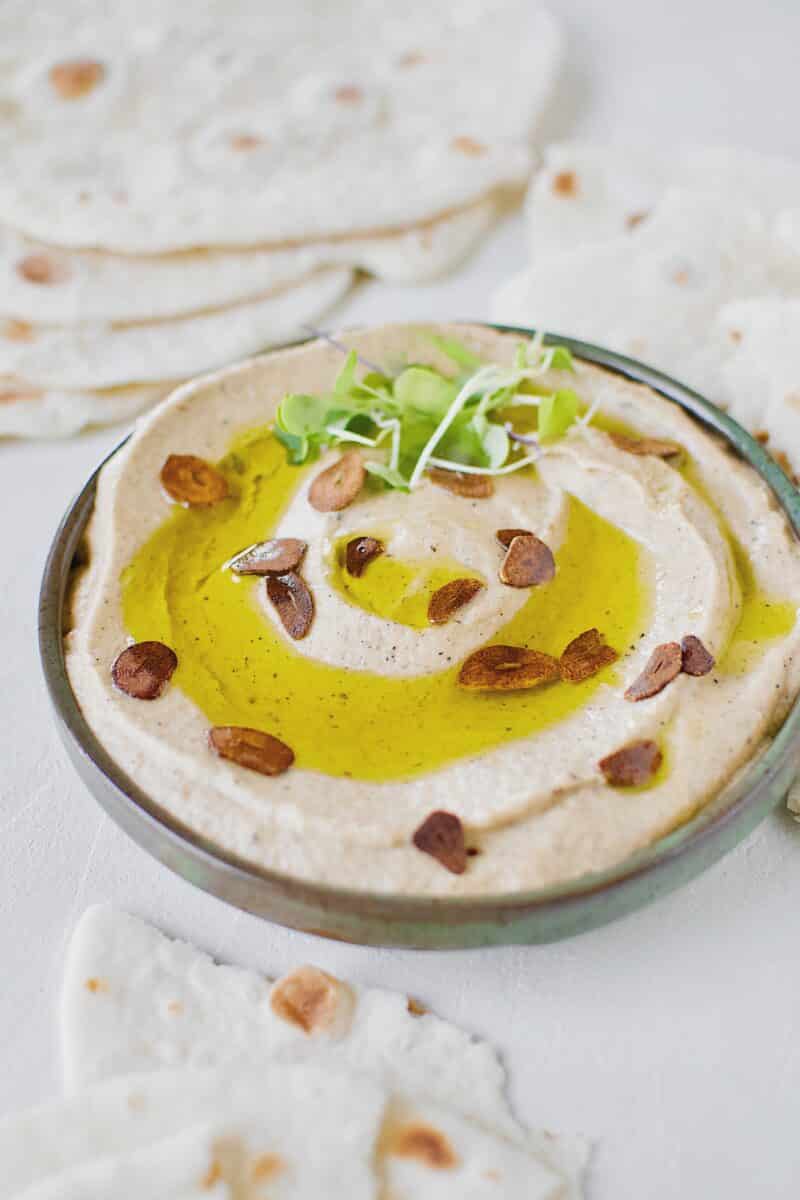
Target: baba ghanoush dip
(441, 610)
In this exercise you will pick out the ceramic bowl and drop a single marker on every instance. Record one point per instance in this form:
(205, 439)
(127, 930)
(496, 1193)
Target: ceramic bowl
(425, 922)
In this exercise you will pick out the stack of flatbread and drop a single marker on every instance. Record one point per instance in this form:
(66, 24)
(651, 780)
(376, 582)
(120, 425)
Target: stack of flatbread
(688, 260)
(188, 1079)
(186, 184)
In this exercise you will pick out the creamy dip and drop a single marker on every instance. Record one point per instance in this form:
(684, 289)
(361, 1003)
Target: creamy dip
(646, 550)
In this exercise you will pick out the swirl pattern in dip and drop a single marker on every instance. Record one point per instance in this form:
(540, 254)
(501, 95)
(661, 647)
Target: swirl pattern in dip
(646, 550)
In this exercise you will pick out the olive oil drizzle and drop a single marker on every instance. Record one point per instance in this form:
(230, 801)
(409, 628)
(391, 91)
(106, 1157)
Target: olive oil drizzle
(239, 670)
(763, 618)
(392, 588)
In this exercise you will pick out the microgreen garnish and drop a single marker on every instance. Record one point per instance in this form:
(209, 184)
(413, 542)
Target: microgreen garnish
(527, 439)
(460, 354)
(391, 477)
(421, 419)
(557, 413)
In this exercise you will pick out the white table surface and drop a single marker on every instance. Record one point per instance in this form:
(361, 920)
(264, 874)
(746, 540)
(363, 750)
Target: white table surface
(671, 1037)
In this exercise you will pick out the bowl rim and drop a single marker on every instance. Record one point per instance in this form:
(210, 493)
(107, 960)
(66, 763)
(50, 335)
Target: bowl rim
(714, 829)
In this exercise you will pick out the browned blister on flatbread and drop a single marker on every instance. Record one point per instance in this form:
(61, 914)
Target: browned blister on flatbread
(359, 553)
(695, 658)
(422, 1142)
(244, 141)
(585, 655)
(528, 562)
(633, 765)
(293, 602)
(213, 1175)
(462, 483)
(18, 393)
(14, 330)
(441, 835)
(192, 481)
(251, 748)
(447, 600)
(412, 58)
(338, 485)
(43, 268)
(144, 670)
(265, 1167)
(313, 1001)
(659, 447)
(76, 78)
(275, 557)
(565, 183)
(635, 219)
(507, 668)
(663, 665)
(469, 146)
(348, 93)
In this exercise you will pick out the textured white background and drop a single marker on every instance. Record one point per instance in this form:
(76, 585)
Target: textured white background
(671, 1037)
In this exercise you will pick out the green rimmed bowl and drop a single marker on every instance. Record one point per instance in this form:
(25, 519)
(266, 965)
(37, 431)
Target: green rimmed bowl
(428, 922)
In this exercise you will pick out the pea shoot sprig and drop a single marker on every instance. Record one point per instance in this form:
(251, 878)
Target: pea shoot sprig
(421, 418)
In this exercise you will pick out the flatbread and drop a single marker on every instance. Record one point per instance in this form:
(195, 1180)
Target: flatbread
(654, 292)
(27, 410)
(244, 122)
(289, 1129)
(135, 1000)
(584, 194)
(470, 1161)
(760, 372)
(44, 285)
(179, 1169)
(93, 356)
(699, 289)
(184, 1133)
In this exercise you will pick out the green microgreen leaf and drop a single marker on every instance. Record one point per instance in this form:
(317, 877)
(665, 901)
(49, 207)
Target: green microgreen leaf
(494, 441)
(492, 400)
(361, 423)
(557, 413)
(561, 359)
(353, 422)
(339, 416)
(298, 448)
(389, 475)
(302, 415)
(421, 416)
(415, 431)
(425, 390)
(375, 382)
(346, 379)
(457, 351)
(462, 442)
(495, 445)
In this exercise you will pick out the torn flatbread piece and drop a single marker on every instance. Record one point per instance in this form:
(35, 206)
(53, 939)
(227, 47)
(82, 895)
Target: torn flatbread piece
(706, 240)
(187, 1132)
(135, 1000)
